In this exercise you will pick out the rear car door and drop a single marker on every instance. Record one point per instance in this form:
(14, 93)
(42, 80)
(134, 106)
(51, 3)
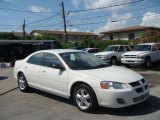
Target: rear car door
(52, 79)
(32, 69)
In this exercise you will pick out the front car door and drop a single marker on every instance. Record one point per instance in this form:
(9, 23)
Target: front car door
(158, 48)
(154, 53)
(121, 51)
(53, 80)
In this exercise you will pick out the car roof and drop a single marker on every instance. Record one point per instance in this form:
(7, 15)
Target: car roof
(118, 45)
(60, 50)
(147, 44)
(90, 48)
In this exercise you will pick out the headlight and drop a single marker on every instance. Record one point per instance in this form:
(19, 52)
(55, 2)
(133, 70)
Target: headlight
(122, 56)
(115, 85)
(105, 56)
(141, 57)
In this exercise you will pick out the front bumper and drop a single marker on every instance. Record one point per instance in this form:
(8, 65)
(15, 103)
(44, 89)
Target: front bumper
(133, 61)
(121, 98)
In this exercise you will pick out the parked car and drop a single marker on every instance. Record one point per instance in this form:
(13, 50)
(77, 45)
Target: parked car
(112, 54)
(91, 50)
(82, 77)
(77, 48)
(142, 54)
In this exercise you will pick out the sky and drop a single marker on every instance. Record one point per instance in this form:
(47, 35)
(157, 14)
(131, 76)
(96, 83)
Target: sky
(47, 15)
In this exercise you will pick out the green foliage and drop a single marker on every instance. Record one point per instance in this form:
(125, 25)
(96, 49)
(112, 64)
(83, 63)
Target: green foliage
(104, 43)
(44, 37)
(9, 36)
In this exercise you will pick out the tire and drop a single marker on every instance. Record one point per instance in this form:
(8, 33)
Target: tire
(22, 83)
(84, 98)
(147, 62)
(127, 65)
(113, 60)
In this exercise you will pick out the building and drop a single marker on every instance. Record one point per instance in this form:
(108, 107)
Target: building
(13, 35)
(59, 35)
(129, 33)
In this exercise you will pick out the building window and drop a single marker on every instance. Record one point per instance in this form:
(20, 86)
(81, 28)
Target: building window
(111, 37)
(59, 36)
(131, 36)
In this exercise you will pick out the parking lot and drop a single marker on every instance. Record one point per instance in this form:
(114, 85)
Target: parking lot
(37, 105)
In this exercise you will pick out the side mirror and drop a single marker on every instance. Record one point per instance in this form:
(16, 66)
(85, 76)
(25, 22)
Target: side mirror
(58, 66)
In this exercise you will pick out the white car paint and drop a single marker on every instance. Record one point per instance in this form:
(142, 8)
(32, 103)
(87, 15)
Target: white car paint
(60, 82)
(107, 55)
(138, 57)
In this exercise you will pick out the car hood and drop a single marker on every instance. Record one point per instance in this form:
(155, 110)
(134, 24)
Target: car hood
(136, 53)
(105, 53)
(113, 73)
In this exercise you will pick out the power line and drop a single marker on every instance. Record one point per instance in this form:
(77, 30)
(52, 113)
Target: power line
(100, 16)
(11, 4)
(42, 19)
(84, 10)
(90, 23)
(15, 10)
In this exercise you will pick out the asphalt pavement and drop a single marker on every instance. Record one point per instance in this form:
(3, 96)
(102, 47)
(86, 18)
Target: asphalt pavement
(38, 105)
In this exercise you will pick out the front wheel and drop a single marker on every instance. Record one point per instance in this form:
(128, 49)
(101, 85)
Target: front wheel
(147, 63)
(22, 83)
(84, 98)
(113, 61)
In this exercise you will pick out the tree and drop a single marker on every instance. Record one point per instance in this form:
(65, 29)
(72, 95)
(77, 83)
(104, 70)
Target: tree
(44, 37)
(9, 36)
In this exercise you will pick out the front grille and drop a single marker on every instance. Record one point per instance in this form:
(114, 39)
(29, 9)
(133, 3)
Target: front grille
(134, 84)
(99, 56)
(130, 56)
(140, 86)
(140, 98)
(139, 90)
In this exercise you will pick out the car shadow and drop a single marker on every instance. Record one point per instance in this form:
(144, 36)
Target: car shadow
(149, 106)
(51, 96)
(3, 78)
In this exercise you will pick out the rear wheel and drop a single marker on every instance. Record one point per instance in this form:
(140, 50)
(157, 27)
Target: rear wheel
(22, 83)
(84, 98)
(113, 61)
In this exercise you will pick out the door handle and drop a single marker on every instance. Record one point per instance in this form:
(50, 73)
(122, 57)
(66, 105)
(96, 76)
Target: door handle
(44, 71)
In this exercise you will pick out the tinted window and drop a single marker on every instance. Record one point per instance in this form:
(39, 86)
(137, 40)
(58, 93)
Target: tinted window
(111, 48)
(82, 61)
(93, 50)
(36, 59)
(127, 48)
(142, 48)
(158, 46)
(121, 49)
(154, 48)
(50, 59)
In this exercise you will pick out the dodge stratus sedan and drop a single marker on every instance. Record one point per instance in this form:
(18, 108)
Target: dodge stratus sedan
(82, 77)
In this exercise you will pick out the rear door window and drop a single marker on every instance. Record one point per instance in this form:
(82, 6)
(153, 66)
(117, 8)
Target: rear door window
(36, 59)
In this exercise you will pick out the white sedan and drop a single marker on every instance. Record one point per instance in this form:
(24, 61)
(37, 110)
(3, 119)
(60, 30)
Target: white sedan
(82, 77)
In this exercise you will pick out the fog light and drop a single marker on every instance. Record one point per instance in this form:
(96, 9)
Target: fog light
(120, 101)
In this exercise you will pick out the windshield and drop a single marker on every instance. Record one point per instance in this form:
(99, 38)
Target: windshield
(111, 48)
(142, 48)
(82, 61)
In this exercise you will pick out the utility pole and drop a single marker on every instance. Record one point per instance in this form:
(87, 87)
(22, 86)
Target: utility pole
(24, 33)
(64, 20)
